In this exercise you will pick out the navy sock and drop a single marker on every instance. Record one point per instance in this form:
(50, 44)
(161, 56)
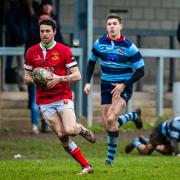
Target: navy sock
(127, 117)
(112, 141)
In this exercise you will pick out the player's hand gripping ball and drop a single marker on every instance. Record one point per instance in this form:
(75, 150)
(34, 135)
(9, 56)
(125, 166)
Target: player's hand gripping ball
(40, 76)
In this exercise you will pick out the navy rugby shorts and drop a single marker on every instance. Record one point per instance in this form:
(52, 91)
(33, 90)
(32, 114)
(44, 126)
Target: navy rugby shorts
(106, 96)
(157, 138)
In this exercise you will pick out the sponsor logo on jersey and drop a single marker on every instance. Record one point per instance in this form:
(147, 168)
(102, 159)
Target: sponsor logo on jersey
(65, 101)
(38, 57)
(55, 56)
(122, 51)
(112, 57)
(104, 48)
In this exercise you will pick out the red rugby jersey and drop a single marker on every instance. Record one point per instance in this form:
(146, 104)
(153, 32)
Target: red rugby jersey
(57, 58)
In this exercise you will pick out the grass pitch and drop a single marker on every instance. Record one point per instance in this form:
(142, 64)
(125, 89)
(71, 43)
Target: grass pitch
(42, 157)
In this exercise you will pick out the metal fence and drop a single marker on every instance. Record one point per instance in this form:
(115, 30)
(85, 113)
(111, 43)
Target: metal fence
(160, 55)
(157, 54)
(19, 51)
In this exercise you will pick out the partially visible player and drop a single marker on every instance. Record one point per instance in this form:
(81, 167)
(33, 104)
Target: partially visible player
(121, 66)
(164, 139)
(56, 103)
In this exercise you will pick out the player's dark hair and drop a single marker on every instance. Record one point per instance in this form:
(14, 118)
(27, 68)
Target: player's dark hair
(49, 22)
(114, 16)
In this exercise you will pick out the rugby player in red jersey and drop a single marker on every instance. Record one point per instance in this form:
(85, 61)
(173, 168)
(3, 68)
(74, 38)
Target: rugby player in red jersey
(56, 103)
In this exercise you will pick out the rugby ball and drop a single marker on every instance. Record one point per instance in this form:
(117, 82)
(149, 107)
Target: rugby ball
(40, 76)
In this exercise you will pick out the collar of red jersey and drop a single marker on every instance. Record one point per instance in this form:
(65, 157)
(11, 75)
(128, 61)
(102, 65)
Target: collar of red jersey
(50, 46)
(122, 38)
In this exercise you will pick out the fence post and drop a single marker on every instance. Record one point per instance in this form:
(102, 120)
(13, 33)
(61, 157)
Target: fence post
(176, 99)
(159, 94)
(89, 45)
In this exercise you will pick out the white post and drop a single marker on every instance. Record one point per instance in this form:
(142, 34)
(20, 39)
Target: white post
(90, 44)
(176, 99)
(159, 95)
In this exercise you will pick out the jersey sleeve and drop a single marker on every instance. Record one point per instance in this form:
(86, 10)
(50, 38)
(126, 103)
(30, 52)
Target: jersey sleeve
(70, 60)
(137, 60)
(94, 53)
(28, 60)
(174, 135)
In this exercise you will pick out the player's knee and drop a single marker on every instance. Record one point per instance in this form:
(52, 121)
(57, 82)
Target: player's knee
(123, 105)
(60, 134)
(71, 131)
(111, 121)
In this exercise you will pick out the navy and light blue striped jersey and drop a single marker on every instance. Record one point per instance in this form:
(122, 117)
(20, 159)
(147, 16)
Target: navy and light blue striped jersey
(171, 129)
(118, 58)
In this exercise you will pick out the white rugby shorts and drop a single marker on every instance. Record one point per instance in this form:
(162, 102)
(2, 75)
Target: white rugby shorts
(56, 107)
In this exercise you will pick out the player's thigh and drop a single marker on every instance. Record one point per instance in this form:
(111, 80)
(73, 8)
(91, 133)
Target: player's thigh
(117, 107)
(68, 119)
(104, 110)
(55, 123)
(165, 149)
(104, 114)
(110, 112)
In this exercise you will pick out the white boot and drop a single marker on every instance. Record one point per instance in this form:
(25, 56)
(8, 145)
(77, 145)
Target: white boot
(35, 129)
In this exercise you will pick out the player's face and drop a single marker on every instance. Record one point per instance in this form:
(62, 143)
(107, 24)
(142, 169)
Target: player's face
(114, 28)
(46, 34)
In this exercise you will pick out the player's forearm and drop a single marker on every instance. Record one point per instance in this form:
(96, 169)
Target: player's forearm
(28, 80)
(90, 70)
(70, 78)
(135, 77)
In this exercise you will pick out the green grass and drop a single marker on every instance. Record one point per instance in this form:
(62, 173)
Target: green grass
(130, 167)
(44, 158)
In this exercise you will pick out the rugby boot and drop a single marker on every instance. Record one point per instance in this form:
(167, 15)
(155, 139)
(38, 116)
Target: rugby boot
(138, 122)
(35, 129)
(108, 163)
(86, 170)
(87, 134)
